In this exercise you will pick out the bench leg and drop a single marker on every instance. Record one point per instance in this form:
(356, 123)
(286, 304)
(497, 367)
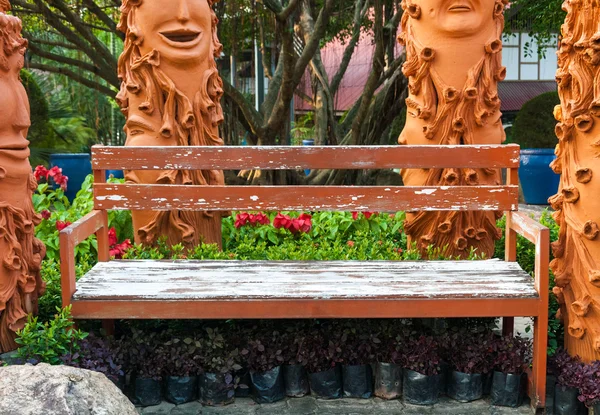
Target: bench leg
(540, 353)
(508, 326)
(109, 327)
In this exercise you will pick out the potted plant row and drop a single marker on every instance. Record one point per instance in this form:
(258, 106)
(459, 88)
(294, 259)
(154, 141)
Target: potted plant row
(330, 360)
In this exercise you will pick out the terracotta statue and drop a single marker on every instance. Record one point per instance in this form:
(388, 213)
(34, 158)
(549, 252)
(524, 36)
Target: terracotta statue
(454, 64)
(21, 253)
(576, 265)
(170, 94)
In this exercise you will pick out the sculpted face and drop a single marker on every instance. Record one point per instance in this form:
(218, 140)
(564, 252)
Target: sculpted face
(456, 18)
(180, 29)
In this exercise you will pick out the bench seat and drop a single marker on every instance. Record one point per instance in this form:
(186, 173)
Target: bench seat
(307, 288)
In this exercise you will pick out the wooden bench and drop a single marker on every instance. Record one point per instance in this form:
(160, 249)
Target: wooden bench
(310, 289)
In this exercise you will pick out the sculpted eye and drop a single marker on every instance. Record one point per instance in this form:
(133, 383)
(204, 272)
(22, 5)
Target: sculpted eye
(136, 132)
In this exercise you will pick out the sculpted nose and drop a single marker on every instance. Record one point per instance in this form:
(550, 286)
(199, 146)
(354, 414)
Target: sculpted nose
(183, 14)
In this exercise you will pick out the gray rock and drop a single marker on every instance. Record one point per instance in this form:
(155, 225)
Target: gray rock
(59, 390)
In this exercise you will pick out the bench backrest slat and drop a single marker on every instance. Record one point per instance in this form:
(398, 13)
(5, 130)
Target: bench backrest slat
(307, 198)
(284, 158)
(310, 198)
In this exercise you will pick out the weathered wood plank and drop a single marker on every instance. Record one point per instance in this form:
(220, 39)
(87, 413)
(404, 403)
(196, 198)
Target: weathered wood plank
(310, 198)
(266, 280)
(347, 308)
(284, 158)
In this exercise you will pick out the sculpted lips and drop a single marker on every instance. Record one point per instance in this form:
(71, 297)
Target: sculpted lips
(18, 149)
(182, 38)
(460, 6)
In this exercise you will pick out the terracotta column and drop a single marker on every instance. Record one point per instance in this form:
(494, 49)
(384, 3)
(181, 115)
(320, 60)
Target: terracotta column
(21, 253)
(577, 253)
(454, 64)
(170, 94)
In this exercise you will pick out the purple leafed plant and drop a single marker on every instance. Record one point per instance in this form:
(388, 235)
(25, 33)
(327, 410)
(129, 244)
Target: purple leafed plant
(512, 354)
(568, 369)
(589, 388)
(422, 355)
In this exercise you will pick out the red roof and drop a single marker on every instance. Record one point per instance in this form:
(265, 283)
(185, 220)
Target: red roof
(516, 93)
(355, 78)
(512, 93)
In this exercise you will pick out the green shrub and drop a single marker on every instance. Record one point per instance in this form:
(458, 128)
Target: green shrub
(48, 342)
(534, 125)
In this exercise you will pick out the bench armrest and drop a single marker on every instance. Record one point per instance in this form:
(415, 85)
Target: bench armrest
(538, 234)
(95, 222)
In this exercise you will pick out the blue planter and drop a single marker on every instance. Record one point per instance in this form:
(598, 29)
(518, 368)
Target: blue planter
(76, 167)
(310, 142)
(537, 179)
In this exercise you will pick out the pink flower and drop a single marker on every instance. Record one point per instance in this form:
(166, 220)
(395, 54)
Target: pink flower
(45, 214)
(118, 250)
(350, 244)
(60, 225)
(40, 173)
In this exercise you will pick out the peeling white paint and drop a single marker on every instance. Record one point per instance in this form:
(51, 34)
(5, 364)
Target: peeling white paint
(254, 198)
(425, 192)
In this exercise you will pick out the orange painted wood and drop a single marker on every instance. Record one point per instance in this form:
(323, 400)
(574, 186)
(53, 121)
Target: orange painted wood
(286, 157)
(95, 222)
(308, 198)
(281, 309)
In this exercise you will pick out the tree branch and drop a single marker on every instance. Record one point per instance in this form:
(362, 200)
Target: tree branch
(360, 11)
(75, 77)
(255, 120)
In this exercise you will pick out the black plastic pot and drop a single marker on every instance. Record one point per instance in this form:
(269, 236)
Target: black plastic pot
(120, 381)
(465, 387)
(446, 373)
(420, 389)
(487, 379)
(326, 384)
(508, 389)
(243, 386)
(268, 387)
(295, 380)
(147, 392)
(180, 390)
(357, 381)
(596, 409)
(388, 380)
(216, 389)
(566, 402)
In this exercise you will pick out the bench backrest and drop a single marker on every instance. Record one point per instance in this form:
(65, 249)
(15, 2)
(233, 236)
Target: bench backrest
(310, 198)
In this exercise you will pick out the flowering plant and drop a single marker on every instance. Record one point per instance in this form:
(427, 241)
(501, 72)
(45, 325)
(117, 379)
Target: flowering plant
(117, 249)
(301, 224)
(245, 218)
(55, 173)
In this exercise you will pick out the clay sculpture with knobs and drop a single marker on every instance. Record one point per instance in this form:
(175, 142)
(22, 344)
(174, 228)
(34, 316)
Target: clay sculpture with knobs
(576, 265)
(170, 94)
(454, 64)
(21, 253)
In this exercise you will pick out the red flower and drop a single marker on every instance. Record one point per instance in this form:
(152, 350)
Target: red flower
(241, 219)
(368, 214)
(60, 225)
(118, 250)
(54, 171)
(350, 244)
(282, 221)
(40, 173)
(45, 214)
(305, 222)
(61, 180)
(262, 219)
(354, 215)
(112, 237)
